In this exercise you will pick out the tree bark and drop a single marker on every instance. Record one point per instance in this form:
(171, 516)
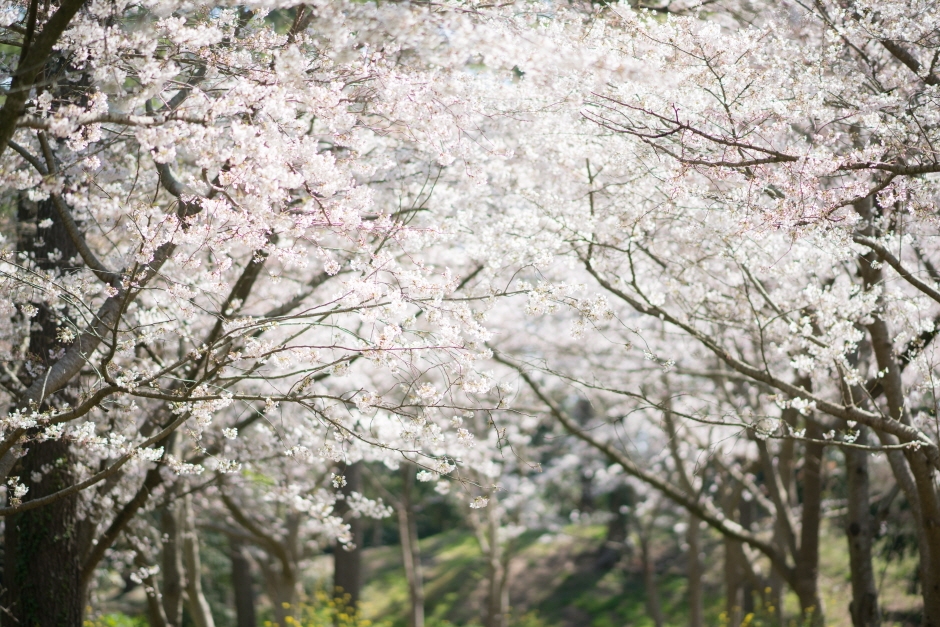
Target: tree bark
(156, 616)
(807, 558)
(242, 586)
(695, 574)
(347, 564)
(860, 534)
(42, 570)
(172, 564)
(43, 546)
(199, 609)
(497, 604)
(410, 551)
(653, 607)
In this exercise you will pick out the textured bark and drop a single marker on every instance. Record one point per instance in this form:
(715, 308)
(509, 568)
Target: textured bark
(859, 530)
(42, 570)
(43, 547)
(347, 565)
(242, 586)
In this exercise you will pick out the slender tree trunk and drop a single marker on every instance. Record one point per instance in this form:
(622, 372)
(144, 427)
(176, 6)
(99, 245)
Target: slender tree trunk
(410, 551)
(920, 470)
(734, 559)
(807, 559)
(653, 607)
(347, 564)
(242, 586)
(860, 533)
(199, 609)
(695, 574)
(156, 617)
(497, 605)
(172, 563)
(612, 548)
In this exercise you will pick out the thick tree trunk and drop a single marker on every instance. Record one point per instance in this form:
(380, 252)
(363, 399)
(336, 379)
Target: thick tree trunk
(42, 570)
(410, 551)
(43, 546)
(347, 564)
(860, 534)
(242, 586)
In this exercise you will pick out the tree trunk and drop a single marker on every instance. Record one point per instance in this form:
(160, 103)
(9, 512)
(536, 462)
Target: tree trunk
(242, 586)
(734, 558)
(282, 589)
(653, 607)
(695, 574)
(928, 509)
(172, 564)
(497, 605)
(860, 534)
(42, 570)
(410, 551)
(156, 617)
(807, 559)
(199, 609)
(347, 564)
(43, 546)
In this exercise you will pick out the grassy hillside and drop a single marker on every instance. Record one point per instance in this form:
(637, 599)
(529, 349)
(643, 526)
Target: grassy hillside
(556, 580)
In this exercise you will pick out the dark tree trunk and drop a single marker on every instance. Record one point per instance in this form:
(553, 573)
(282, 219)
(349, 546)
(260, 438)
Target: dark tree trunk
(172, 563)
(653, 606)
(347, 565)
(612, 548)
(242, 586)
(860, 533)
(43, 546)
(42, 573)
(695, 574)
(807, 560)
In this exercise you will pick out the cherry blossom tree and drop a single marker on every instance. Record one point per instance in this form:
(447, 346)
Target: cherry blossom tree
(744, 205)
(220, 217)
